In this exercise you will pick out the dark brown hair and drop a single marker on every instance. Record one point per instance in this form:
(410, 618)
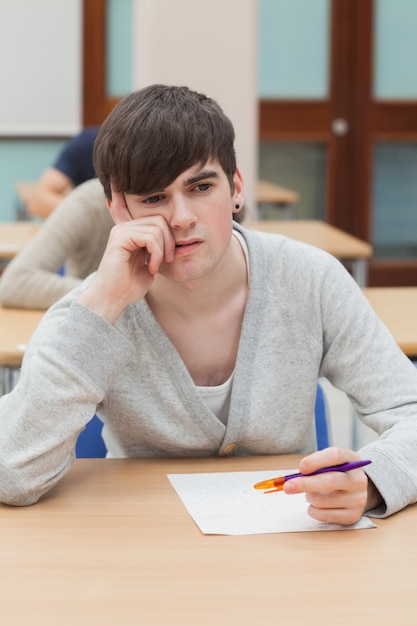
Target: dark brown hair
(156, 133)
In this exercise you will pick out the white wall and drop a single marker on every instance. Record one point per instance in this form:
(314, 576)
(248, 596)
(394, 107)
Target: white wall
(41, 67)
(210, 47)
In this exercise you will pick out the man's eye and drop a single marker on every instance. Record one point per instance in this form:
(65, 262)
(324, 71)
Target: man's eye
(203, 186)
(152, 200)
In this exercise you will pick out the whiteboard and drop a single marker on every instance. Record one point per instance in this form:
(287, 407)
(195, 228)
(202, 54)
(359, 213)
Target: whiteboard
(41, 67)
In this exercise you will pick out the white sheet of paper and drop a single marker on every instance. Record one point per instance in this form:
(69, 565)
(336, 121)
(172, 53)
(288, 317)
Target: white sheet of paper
(225, 503)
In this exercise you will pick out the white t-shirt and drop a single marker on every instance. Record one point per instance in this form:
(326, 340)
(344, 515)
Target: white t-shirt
(217, 398)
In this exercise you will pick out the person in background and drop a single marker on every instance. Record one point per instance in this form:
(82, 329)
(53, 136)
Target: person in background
(199, 337)
(74, 235)
(73, 166)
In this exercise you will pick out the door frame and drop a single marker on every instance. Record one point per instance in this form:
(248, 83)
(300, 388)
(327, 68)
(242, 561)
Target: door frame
(96, 103)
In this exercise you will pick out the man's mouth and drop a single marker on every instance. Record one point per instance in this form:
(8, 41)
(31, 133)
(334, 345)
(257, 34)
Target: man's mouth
(182, 247)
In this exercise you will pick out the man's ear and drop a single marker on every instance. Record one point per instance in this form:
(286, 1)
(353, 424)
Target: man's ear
(238, 194)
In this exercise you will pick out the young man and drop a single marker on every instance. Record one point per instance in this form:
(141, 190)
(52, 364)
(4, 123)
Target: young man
(197, 337)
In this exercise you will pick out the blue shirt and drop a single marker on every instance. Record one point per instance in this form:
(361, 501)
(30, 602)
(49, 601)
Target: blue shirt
(76, 159)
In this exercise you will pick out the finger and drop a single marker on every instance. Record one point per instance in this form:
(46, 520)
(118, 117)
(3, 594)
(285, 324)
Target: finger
(169, 241)
(343, 516)
(327, 457)
(351, 481)
(155, 239)
(160, 245)
(336, 497)
(337, 507)
(147, 240)
(351, 494)
(157, 226)
(154, 254)
(118, 207)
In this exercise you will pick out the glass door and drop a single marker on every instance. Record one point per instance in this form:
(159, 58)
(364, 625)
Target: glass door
(305, 73)
(338, 119)
(393, 138)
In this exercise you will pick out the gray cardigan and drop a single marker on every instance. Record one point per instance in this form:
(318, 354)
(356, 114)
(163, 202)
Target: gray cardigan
(305, 318)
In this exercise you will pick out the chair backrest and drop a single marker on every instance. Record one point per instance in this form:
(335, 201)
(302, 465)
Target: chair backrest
(322, 420)
(90, 444)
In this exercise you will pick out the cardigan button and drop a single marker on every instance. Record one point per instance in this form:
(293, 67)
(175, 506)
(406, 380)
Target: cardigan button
(229, 449)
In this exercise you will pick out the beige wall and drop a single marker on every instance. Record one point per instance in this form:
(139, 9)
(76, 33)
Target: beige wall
(210, 46)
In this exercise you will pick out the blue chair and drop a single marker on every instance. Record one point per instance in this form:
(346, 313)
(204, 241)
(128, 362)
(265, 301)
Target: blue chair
(90, 444)
(321, 419)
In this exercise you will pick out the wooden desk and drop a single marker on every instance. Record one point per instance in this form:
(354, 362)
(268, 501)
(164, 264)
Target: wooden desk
(340, 244)
(272, 194)
(397, 308)
(113, 544)
(14, 236)
(16, 328)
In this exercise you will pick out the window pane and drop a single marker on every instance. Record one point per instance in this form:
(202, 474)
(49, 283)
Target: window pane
(395, 52)
(394, 227)
(22, 160)
(119, 47)
(298, 166)
(294, 48)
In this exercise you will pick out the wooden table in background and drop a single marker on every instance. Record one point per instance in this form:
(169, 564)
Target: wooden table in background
(397, 308)
(112, 543)
(340, 244)
(281, 197)
(16, 328)
(14, 236)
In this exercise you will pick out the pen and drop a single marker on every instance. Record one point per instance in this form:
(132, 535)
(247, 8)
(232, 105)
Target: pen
(277, 484)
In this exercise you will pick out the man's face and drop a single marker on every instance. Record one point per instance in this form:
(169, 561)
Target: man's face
(197, 208)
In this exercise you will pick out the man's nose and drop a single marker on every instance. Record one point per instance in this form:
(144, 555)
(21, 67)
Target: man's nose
(181, 214)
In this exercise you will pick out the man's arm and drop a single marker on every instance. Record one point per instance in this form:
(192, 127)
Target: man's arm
(51, 188)
(70, 362)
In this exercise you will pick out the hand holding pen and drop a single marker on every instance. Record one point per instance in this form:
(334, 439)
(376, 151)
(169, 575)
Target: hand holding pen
(336, 491)
(277, 484)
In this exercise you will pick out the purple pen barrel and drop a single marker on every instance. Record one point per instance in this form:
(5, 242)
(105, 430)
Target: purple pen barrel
(277, 483)
(343, 467)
